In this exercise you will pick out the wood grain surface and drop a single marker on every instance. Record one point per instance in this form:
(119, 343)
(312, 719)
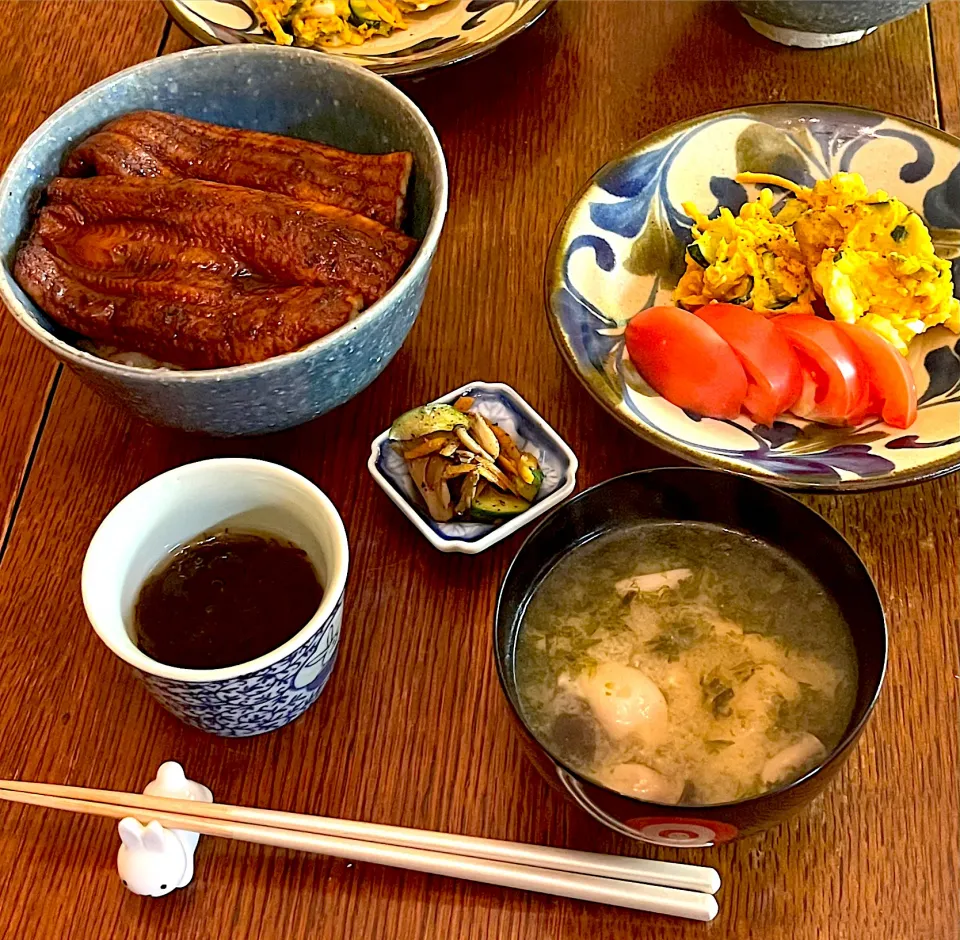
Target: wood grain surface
(46, 57)
(945, 28)
(411, 729)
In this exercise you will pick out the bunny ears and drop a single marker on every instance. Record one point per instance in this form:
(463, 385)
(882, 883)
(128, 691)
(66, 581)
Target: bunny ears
(154, 860)
(150, 837)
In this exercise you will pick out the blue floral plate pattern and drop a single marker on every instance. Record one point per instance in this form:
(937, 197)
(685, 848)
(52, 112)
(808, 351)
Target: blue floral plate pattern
(620, 248)
(501, 404)
(451, 32)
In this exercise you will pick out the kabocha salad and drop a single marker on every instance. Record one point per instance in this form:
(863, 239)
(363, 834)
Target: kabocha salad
(804, 306)
(465, 466)
(331, 23)
(865, 257)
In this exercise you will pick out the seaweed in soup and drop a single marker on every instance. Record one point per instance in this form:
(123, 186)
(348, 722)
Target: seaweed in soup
(731, 648)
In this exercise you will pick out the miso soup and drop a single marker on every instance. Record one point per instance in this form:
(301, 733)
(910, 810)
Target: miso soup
(685, 663)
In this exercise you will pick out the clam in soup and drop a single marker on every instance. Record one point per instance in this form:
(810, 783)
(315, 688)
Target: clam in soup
(685, 663)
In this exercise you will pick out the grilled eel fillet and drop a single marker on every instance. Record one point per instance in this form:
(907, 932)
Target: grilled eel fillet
(274, 236)
(156, 144)
(202, 274)
(242, 326)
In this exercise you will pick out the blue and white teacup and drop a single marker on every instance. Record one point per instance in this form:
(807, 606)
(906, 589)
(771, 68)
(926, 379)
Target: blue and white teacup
(175, 507)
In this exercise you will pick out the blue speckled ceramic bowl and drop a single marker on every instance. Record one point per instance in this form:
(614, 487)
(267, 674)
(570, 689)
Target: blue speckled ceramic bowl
(267, 88)
(174, 508)
(818, 24)
(620, 248)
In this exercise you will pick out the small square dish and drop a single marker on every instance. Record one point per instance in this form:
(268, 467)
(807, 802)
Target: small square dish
(503, 406)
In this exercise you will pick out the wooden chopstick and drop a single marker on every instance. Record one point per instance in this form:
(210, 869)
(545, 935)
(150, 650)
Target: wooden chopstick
(636, 896)
(665, 874)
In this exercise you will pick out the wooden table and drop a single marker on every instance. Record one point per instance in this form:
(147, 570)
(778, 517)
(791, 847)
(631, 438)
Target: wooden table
(411, 729)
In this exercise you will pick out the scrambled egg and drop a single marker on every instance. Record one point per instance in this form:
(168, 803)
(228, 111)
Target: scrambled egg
(867, 255)
(335, 22)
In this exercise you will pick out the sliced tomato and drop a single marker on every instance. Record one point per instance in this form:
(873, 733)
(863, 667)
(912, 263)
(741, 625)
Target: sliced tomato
(687, 361)
(893, 392)
(835, 387)
(773, 371)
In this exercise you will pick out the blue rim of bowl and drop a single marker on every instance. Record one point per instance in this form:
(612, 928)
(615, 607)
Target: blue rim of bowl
(849, 736)
(421, 258)
(397, 70)
(946, 466)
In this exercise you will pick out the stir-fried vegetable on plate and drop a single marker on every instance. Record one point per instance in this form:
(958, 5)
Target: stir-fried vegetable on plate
(332, 23)
(866, 256)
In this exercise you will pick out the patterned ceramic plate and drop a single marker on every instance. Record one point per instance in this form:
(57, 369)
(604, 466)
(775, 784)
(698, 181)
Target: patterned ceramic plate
(452, 32)
(504, 406)
(620, 248)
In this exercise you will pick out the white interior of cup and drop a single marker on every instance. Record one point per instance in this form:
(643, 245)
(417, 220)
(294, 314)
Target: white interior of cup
(179, 505)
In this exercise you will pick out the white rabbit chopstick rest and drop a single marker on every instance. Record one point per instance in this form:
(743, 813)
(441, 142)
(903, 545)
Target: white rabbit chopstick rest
(153, 860)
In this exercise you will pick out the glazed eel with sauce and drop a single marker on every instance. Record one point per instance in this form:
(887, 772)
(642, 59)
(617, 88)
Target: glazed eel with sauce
(204, 246)
(156, 144)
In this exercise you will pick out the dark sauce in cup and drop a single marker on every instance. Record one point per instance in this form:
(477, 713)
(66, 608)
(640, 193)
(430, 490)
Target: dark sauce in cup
(224, 599)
